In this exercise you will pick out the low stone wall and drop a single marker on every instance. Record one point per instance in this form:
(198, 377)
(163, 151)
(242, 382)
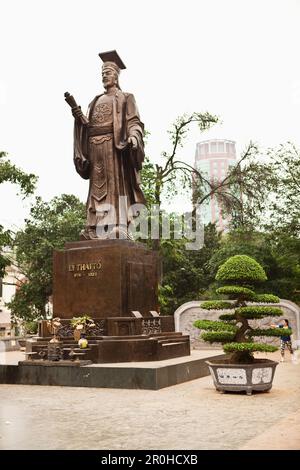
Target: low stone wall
(187, 313)
(9, 344)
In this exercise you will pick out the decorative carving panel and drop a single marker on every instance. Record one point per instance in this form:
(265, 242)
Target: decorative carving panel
(262, 375)
(231, 376)
(99, 329)
(65, 331)
(151, 326)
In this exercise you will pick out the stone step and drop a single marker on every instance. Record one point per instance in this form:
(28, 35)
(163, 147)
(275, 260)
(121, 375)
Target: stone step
(178, 340)
(77, 349)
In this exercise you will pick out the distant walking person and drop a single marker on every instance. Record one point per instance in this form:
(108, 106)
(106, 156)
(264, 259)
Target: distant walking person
(285, 340)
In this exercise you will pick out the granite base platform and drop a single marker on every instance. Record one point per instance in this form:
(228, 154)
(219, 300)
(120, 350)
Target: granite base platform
(147, 375)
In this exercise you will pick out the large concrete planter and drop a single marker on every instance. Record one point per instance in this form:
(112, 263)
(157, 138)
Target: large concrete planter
(229, 377)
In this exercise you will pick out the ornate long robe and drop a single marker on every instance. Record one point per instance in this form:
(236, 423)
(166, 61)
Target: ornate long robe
(102, 155)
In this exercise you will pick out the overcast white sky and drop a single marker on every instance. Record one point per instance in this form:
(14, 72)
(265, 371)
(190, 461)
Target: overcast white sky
(235, 58)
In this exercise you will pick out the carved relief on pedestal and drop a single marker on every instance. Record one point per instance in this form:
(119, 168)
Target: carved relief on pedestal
(99, 329)
(151, 326)
(65, 331)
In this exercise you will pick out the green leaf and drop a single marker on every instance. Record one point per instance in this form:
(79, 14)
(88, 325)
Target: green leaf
(266, 298)
(249, 347)
(215, 325)
(237, 292)
(259, 312)
(50, 226)
(227, 317)
(241, 269)
(215, 305)
(218, 336)
(12, 174)
(269, 332)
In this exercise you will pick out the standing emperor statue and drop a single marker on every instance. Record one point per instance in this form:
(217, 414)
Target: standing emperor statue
(109, 151)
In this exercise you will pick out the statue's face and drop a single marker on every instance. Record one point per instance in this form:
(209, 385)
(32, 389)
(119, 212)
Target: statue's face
(109, 77)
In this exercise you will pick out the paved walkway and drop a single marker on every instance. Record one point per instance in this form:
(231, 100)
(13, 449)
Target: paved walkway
(186, 416)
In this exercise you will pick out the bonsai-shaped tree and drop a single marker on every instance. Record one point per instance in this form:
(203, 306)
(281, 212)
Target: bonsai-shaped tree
(240, 274)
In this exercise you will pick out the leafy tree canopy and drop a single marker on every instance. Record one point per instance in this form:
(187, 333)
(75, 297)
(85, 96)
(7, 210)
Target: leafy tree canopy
(10, 173)
(49, 227)
(242, 269)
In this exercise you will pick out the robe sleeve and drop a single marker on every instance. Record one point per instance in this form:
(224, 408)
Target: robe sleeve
(81, 161)
(135, 128)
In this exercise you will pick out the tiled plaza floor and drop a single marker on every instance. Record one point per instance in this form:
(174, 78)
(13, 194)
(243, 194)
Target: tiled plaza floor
(191, 415)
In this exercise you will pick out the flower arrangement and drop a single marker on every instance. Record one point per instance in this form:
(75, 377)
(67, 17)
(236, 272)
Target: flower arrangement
(82, 324)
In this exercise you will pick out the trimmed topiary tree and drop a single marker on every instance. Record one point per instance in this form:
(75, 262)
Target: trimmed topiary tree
(240, 274)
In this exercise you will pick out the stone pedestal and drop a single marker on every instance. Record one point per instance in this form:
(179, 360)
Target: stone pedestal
(116, 283)
(105, 278)
(149, 376)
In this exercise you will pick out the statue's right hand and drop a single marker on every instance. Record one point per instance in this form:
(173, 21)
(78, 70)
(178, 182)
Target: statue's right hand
(77, 113)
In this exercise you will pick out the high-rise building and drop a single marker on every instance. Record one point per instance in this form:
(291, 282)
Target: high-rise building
(212, 159)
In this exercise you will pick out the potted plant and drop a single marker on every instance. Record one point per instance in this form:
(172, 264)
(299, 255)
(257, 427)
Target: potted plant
(240, 371)
(81, 325)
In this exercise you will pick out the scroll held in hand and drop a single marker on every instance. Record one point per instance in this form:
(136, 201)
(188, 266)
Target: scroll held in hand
(72, 103)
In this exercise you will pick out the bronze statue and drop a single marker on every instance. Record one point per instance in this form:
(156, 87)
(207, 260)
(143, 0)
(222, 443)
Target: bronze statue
(109, 151)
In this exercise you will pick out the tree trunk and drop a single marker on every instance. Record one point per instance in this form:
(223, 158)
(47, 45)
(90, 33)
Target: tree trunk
(241, 357)
(157, 194)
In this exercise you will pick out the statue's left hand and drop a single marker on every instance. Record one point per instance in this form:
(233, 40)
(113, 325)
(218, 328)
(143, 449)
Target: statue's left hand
(132, 141)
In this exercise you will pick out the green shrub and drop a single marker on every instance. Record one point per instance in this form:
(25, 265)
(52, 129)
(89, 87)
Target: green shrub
(237, 292)
(228, 317)
(214, 325)
(258, 312)
(241, 269)
(249, 347)
(233, 330)
(31, 327)
(215, 305)
(269, 332)
(266, 298)
(218, 336)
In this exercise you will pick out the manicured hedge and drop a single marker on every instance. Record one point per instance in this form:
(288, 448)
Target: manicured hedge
(236, 292)
(258, 312)
(241, 269)
(270, 332)
(228, 317)
(266, 298)
(215, 305)
(218, 336)
(249, 347)
(214, 325)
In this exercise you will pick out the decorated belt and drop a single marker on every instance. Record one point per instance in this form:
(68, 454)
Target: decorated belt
(99, 130)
